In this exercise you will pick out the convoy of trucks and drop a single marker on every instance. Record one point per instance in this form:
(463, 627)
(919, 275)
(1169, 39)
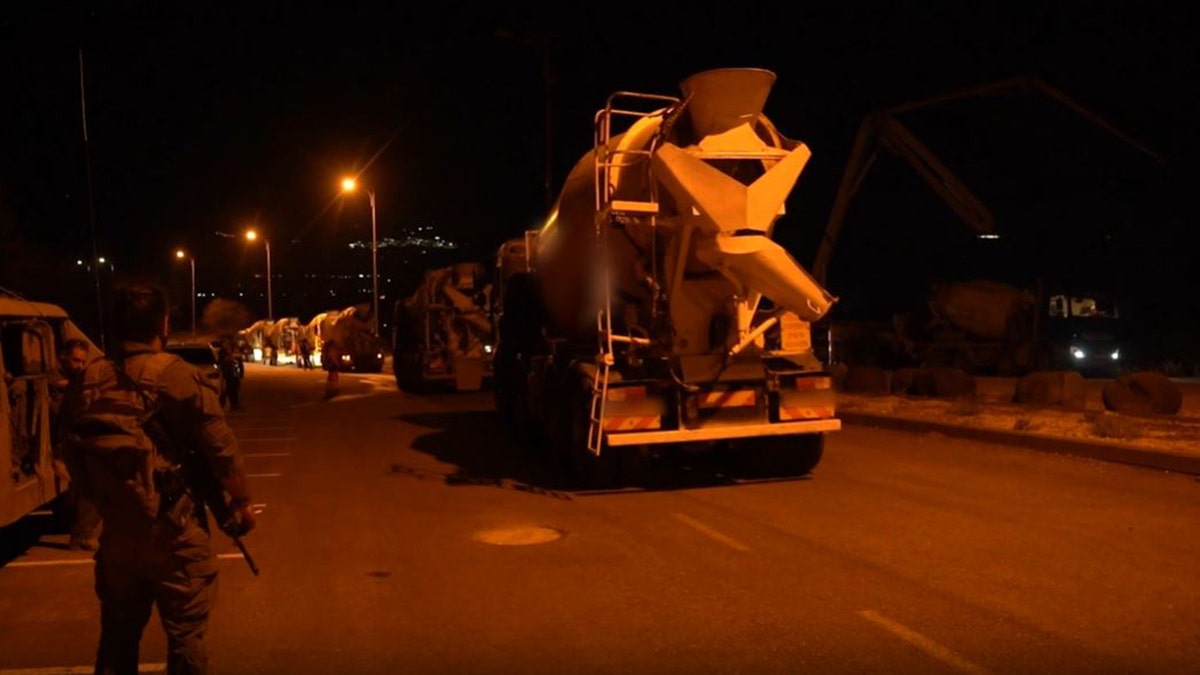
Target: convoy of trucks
(651, 311)
(351, 328)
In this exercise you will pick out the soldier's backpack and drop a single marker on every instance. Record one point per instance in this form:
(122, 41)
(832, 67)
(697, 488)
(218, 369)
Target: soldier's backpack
(112, 438)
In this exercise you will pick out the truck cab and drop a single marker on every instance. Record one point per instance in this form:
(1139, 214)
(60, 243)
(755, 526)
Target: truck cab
(1087, 332)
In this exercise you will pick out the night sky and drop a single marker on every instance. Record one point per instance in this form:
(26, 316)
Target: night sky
(204, 120)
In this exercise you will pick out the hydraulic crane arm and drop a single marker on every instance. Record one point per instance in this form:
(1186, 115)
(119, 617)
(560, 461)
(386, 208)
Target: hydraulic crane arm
(881, 128)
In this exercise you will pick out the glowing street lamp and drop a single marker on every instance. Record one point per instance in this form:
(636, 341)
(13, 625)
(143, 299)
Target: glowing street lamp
(252, 235)
(349, 184)
(181, 254)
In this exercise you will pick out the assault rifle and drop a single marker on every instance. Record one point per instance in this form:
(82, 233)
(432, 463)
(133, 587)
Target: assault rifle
(193, 474)
(201, 479)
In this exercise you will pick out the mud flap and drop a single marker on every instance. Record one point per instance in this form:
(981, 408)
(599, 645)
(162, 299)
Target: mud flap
(468, 373)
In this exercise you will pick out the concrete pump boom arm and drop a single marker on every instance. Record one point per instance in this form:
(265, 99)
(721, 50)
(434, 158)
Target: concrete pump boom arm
(882, 128)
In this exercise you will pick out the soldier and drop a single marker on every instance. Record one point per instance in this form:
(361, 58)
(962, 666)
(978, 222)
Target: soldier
(85, 520)
(155, 548)
(231, 374)
(331, 360)
(305, 354)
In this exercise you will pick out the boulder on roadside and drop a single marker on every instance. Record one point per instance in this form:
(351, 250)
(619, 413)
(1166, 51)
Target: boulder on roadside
(866, 380)
(1051, 387)
(1143, 393)
(950, 382)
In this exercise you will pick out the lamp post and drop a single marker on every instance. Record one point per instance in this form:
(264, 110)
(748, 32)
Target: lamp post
(252, 235)
(180, 254)
(350, 185)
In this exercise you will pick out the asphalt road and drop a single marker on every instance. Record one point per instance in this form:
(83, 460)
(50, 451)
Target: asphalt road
(903, 553)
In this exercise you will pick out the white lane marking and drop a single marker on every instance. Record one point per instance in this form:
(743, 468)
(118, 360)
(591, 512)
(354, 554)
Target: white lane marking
(711, 533)
(44, 512)
(268, 439)
(77, 561)
(50, 563)
(264, 475)
(230, 556)
(266, 454)
(923, 643)
(78, 670)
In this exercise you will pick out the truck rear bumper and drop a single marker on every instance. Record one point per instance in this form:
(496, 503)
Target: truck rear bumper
(721, 433)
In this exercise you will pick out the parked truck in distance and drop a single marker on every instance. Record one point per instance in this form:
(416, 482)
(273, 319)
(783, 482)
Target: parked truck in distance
(442, 334)
(653, 311)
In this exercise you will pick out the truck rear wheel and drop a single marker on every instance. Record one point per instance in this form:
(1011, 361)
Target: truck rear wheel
(779, 456)
(407, 368)
(570, 438)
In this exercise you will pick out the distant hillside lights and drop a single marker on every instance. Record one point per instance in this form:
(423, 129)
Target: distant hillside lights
(423, 237)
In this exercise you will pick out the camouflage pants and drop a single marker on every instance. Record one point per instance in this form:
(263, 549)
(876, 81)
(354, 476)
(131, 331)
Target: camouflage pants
(133, 574)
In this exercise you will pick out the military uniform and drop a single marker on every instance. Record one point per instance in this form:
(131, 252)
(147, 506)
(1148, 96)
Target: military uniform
(155, 547)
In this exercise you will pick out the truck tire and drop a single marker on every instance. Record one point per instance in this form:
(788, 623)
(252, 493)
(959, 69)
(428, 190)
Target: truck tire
(407, 367)
(591, 472)
(779, 456)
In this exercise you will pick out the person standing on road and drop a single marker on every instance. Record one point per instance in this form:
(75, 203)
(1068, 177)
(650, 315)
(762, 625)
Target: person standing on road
(137, 421)
(80, 511)
(331, 357)
(305, 354)
(232, 374)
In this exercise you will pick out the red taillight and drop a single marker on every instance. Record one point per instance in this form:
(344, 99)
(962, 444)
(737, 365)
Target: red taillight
(811, 383)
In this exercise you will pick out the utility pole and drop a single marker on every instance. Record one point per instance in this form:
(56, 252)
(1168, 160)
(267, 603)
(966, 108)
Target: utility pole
(87, 160)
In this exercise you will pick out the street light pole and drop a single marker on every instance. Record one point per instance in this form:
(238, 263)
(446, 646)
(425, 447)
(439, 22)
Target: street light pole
(252, 235)
(181, 254)
(374, 266)
(270, 310)
(350, 184)
(193, 261)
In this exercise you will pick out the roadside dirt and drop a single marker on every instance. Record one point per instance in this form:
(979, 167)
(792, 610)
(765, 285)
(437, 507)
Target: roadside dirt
(992, 409)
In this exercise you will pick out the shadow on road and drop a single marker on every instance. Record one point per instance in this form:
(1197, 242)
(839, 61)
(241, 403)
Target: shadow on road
(482, 450)
(18, 538)
(485, 453)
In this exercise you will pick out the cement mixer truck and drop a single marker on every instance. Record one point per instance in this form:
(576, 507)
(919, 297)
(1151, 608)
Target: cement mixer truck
(351, 328)
(653, 311)
(442, 334)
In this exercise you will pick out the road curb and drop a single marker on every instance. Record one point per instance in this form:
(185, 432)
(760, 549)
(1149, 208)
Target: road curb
(1106, 451)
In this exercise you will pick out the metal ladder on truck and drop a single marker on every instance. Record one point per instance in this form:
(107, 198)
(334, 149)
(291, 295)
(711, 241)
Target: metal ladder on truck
(610, 160)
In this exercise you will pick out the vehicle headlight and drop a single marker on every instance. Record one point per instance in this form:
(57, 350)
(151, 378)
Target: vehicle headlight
(1077, 352)
(487, 349)
(1116, 354)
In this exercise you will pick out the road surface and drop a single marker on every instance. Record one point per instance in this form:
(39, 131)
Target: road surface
(406, 534)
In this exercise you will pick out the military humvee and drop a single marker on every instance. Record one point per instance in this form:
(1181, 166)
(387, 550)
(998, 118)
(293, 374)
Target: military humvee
(31, 338)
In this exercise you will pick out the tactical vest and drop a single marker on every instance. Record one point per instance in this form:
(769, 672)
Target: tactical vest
(113, 437)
